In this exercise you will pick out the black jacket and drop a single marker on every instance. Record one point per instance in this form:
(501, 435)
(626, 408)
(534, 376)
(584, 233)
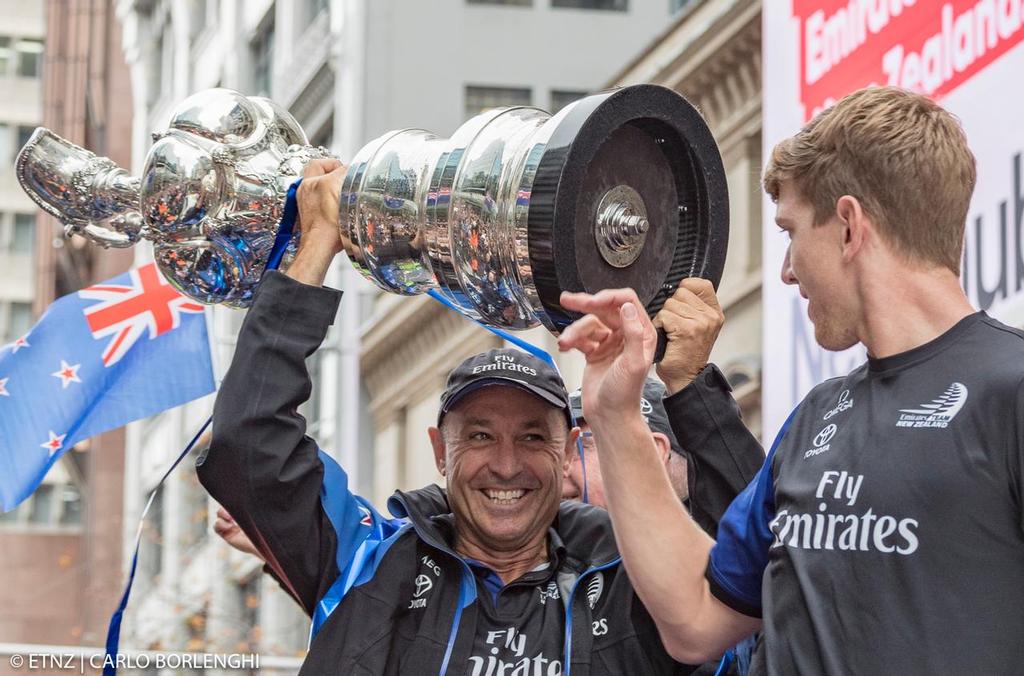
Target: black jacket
(355, 571)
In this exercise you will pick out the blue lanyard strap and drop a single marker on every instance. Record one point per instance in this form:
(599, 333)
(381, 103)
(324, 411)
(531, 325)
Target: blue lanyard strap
(281, 241)
(114, 629)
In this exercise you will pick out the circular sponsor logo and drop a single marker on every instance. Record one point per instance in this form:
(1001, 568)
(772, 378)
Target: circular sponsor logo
(645, 407)
(825, 435)
(423, 585)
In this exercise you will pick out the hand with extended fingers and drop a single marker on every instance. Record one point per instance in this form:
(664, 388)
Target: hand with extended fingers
(618, 340)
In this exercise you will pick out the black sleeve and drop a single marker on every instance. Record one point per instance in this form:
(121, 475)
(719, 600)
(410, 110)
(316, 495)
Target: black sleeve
(723, 456)
(267, 570)
(261, 466)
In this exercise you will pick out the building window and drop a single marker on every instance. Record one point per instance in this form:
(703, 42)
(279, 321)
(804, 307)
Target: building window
(263, 58)
(250, 614)
(24, 134)
(5, 55)
(17, 232)
(325, 136)
(195, 510)
(20, 319)
(560, 98)
(151, 548)
(313, 408)
(314, 8)
(30, 57)
(15, 320)
(9, 147)
(41, 512)
(197, 19)
(6, 156)
(195, 628)
(52, 504)
(479, 99)
(70, 505)
(155, 71)
(23, 234)
(613, 5)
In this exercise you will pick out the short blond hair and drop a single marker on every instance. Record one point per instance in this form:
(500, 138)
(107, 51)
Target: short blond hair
(903, 156)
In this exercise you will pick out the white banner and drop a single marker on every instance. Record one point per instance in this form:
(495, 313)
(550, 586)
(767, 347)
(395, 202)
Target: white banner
(968, 54)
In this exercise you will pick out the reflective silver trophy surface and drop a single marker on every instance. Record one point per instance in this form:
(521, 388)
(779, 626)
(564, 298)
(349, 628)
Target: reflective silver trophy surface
(621, 188)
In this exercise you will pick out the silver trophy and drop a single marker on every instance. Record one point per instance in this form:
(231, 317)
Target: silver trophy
(621, 188)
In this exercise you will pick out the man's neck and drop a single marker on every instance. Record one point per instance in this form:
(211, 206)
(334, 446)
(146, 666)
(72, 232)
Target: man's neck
(909, 308)
(509, 566)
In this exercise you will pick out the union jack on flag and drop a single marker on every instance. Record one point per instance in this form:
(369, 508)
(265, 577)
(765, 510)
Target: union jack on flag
(126, 311)
(115, 352)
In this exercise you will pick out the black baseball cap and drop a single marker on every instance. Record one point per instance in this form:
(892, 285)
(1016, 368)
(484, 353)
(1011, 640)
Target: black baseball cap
(651, 407)
(509, 367)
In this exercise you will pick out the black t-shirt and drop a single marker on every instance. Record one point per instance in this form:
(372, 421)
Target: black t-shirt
(520, 626)
(886, 522)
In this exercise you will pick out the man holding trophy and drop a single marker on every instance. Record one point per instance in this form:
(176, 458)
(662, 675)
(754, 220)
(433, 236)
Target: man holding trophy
(497, 575)
(492, 576)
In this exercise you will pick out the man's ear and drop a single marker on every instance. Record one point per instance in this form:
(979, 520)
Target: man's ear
(663, 445)
(571, 450)
(855, 225)
(440, 453)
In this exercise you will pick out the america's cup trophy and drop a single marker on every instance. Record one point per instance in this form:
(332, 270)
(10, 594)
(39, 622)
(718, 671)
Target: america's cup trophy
(621, 188)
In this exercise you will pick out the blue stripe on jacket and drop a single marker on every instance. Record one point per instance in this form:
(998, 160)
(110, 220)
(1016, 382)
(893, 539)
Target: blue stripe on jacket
(364, 537)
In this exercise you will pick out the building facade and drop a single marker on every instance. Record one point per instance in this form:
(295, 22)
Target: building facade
(60, 66)
(348, 70)
(711, 54)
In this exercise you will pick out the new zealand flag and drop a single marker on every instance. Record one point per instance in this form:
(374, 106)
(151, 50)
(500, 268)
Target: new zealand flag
(100, 358)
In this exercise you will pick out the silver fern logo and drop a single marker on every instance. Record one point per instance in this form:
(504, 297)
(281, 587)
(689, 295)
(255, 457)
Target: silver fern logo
(937, 413)
(594, 589)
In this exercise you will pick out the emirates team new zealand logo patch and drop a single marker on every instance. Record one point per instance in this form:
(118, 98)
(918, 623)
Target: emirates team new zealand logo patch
(939, 412)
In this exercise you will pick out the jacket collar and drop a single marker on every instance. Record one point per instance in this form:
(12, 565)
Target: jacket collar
(584, 530)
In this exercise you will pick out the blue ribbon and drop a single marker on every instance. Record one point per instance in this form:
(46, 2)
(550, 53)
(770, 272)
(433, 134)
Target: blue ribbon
(286, 227)
(114, 630)
(538, 352)
(284, 236)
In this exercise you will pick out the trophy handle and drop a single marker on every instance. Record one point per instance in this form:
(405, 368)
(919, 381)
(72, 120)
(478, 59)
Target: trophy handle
(90, 195)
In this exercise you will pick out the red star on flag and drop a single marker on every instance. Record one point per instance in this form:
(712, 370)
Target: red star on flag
(67, 374)
(18, 344)
(55, 443)
(3, 387)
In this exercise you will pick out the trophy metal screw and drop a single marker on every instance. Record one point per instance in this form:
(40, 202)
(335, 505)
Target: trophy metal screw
(621, 226)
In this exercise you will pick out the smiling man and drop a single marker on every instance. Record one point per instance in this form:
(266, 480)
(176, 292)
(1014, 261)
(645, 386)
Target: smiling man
(495, 575)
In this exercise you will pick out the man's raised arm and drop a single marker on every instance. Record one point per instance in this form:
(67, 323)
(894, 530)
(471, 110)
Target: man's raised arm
(723, 456)
(664, 550)
(261, 465)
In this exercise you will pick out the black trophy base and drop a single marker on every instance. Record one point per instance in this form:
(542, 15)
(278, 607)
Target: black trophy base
(630, 192)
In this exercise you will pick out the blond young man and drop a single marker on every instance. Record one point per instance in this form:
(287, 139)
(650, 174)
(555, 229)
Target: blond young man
(884, 533)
